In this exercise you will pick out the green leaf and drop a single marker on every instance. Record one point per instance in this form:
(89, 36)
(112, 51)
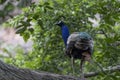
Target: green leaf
(2, 13)
(36, 16)
(46, 3)
(39, 21)
(49, 7)
(31, 30)
(20, 30)
(26, 36)
(9, 7)
(2, 1)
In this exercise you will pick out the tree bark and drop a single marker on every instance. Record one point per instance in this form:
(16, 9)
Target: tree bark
(8, 72)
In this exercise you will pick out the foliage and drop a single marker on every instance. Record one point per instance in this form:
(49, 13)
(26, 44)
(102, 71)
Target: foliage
(38, 21)
(8, 8)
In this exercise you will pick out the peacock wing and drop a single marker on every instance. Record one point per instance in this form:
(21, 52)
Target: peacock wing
(82, 40)
(73, 37)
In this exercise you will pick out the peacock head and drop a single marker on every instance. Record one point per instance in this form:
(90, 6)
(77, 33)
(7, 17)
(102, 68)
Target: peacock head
(60, 23)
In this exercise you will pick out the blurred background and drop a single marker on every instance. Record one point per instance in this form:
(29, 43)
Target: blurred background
(30, 39)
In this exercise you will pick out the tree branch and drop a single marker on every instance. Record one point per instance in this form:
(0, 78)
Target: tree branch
(8, 72)
(110, 69)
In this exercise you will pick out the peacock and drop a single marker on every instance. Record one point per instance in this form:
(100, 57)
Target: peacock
(79, 45)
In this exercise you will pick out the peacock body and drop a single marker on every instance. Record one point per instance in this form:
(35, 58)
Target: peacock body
(76, 43)
(79, 45)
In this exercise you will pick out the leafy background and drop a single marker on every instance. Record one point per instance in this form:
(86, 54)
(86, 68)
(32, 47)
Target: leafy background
(37, 21)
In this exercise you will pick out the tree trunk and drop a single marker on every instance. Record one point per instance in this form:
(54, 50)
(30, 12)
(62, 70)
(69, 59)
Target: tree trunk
(8, 72)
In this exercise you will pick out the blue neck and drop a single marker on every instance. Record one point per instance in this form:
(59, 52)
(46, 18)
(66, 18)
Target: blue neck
(65, 33)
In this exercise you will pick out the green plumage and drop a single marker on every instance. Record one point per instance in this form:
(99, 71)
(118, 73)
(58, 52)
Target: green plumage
(82, 40)
(84, 35)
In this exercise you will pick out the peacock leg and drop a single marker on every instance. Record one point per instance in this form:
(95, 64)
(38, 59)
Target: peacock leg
(72, 63)
(81, 69)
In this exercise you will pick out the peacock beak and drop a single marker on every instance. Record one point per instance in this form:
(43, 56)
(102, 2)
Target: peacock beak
(59, 23)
